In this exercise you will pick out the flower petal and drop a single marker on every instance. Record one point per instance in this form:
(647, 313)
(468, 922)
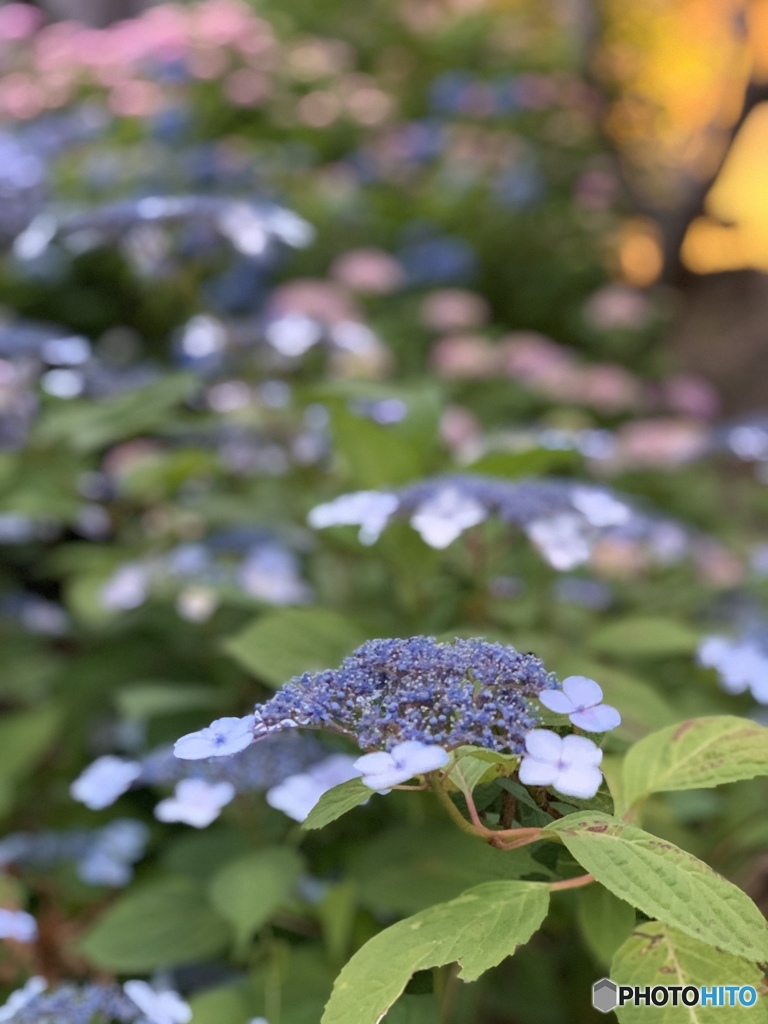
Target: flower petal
(557, 701)
(537, 773)
(579, 750)
(419, 757)
(600, 718)
(544, 745)
(383, 782)
(578, 780)
(370, 764)
(583, 692)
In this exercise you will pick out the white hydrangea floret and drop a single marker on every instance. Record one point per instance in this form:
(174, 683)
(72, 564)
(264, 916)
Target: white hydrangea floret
(599, 508)
(370, 510)
(445, 516)
(221, 738)
(580, 699)
(568, 764)
(17, 925)
(159, 1007)
(102, 782)
(195, 802)
(298, 794)
(564, 540)
(381, 770)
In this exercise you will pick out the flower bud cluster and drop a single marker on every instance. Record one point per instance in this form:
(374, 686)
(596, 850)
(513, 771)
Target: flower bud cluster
(391, 691)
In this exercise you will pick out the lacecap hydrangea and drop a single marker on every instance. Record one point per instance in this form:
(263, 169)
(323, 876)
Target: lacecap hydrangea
(393, 691)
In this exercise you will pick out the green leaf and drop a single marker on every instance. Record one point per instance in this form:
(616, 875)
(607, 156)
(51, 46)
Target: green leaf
(468, 770)
(411, 867)
(478, 929)
(225, 1004)
(696, 754)
(88, 426)
(643, 636)
(530, 462)
(146, 700)
(161, 924)
(337, 911)
(382, 456)
(24, 738)
(337, 801)
(284, 644)
(605, 920)
(656, 954)
(249, 890)
(665, 882)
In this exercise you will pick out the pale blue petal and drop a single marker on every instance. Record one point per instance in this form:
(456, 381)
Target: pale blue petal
(578, 780)
(597, 719)
(557, 701)
(544, 745)
(583, 692)
(579, 750)
(537, 773)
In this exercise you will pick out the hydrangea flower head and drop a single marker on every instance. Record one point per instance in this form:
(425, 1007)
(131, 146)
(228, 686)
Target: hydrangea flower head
(195, 802)
(392, 691)
(381, 770)
(563, 518)
(567, 763)
(223, 737)
(21, 997)
(17, 925)
(580, 699)
(159, 1007)
(104, 781)
(69, 1003)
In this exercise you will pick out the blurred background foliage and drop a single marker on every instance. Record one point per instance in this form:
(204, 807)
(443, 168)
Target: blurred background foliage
(258, 255)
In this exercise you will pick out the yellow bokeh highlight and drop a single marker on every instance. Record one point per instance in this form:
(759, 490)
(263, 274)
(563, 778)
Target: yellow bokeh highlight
(735, 232)
(639, 252)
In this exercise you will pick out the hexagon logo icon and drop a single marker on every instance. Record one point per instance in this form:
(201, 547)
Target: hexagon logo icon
(604, 996)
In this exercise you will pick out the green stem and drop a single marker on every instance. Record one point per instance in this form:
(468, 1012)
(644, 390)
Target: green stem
(454, 811)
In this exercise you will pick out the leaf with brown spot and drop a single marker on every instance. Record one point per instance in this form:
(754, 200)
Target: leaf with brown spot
(698, 754)
(665, 882)
(655, 954)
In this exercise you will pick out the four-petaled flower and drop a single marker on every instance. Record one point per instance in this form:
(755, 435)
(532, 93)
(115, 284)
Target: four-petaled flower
(195, 802)
(580, 699)
(567, 763)
(102, 782)
(17, 925)
(381, 771)
(223, 737)
(159, 1007)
